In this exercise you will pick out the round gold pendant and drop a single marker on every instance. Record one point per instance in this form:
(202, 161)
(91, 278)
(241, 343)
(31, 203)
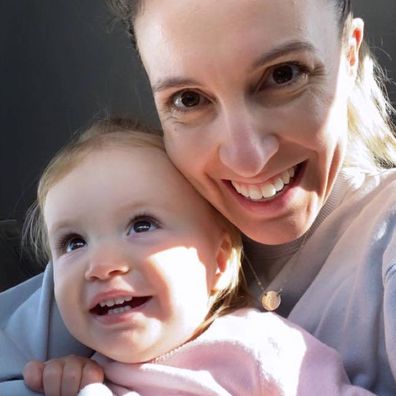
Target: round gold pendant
(271, 300)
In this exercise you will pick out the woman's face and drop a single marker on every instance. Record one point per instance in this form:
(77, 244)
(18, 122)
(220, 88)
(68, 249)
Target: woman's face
(252, 97)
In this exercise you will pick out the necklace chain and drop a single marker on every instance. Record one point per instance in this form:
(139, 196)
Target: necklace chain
(272, 299)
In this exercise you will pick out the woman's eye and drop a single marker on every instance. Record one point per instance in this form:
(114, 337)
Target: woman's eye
(188, 99)
(285, 74)
(143, 225)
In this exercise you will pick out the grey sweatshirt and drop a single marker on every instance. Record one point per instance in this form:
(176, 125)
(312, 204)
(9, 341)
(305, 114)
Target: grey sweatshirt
(340, 286)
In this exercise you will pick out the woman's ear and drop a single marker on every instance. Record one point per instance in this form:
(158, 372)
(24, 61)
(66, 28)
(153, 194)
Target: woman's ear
(355, 39)
(224, 272)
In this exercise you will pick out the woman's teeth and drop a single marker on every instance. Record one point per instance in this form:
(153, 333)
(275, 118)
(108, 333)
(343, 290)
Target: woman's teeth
(256, 192)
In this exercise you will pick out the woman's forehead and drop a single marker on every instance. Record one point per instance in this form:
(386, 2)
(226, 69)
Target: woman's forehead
(195, 28)
(186, 17)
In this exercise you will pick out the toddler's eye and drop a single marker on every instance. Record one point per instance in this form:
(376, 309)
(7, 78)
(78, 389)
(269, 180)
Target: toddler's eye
(68, 243)
(143, 224)
(74, 244)
(187, 99)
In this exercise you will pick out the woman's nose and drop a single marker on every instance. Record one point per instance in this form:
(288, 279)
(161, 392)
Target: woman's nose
(246, 147)
(106, 262)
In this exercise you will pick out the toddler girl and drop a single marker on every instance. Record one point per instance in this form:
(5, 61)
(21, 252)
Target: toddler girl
(147, 274)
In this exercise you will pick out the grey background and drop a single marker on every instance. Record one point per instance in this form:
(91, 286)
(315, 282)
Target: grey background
(62, 63)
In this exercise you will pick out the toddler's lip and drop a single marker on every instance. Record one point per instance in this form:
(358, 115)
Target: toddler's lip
(108, 295)
(113, 298)
(118, 305)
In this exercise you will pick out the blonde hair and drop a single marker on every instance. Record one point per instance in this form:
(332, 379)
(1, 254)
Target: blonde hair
(371, 137)
(127, 133)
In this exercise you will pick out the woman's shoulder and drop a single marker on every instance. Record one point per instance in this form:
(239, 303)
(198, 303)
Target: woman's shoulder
(370, 183)
(364, 193)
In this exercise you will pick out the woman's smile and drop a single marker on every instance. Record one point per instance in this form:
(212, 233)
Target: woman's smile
(267, 190)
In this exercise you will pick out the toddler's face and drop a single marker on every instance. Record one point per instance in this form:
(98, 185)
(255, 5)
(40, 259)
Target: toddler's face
(136, 253)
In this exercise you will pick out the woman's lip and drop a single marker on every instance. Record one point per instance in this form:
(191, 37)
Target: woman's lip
(271, 179)
(268, 201)
(267, 189)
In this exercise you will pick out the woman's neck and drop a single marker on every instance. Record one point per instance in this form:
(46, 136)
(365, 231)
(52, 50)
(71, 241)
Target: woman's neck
(268, 260)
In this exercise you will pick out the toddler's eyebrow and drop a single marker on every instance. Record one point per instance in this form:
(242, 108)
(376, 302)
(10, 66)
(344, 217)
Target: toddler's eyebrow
(59, 227)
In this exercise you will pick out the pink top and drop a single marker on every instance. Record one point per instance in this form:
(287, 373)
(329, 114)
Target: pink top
(246, 353)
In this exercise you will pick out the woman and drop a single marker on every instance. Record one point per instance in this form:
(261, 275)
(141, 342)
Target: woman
(272, 111)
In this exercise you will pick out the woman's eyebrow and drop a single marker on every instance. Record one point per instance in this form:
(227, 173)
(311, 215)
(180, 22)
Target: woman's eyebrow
(172, 82)
(282, 50)
(180, 82)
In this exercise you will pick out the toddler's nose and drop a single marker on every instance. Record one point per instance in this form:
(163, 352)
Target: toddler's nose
(106, 262)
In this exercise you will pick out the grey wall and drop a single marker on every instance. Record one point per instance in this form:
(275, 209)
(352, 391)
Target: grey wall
(60, 64)
(380, 31)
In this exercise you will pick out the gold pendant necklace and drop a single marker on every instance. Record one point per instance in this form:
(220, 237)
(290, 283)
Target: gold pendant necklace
(271, 299)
